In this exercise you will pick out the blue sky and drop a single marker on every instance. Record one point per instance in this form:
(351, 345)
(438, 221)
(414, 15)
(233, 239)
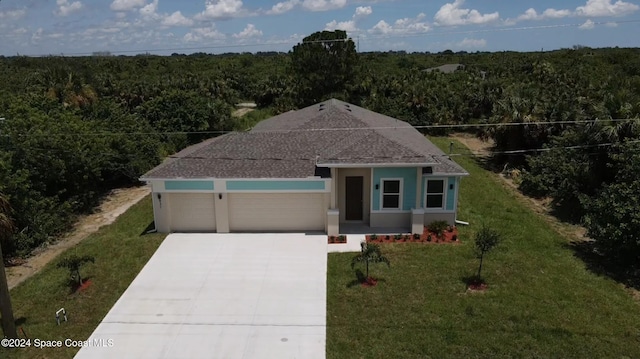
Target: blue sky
(41, 27)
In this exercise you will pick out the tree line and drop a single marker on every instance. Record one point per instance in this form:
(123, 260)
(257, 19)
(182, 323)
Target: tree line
(77, 127)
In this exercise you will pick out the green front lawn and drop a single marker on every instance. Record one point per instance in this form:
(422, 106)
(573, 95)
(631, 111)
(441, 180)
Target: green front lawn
(542, 302)
(120, 252)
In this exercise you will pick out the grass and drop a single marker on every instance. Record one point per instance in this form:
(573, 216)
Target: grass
(542, 301)
(120, 252)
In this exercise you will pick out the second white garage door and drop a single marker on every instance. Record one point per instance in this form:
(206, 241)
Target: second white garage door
(276, 212)
(192, 212)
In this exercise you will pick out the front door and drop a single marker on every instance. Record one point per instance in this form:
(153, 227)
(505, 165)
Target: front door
(354, 198)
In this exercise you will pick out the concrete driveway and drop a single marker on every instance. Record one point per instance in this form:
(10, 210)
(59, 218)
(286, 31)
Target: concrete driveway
(222, 296)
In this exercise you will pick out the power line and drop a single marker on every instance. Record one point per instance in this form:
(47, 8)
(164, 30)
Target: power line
(546, 149)
(476, 125)
(367, 38)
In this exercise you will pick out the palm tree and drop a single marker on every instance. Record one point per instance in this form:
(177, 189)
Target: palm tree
(6, 229)
(369, 253)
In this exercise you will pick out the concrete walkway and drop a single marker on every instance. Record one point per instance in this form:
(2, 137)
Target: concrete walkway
(222, 296)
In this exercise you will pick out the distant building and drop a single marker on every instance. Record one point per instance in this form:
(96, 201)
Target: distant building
(447, 68)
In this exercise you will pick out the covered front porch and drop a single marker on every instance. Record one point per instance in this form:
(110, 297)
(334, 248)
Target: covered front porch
(380, 200)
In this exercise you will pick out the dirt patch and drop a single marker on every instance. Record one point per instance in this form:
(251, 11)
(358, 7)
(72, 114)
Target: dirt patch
(542, 206)
(115, 204)
(241, 112)
(477, 146)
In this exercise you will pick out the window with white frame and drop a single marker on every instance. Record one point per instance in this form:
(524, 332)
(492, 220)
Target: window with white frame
(435, 194)
(391, 193)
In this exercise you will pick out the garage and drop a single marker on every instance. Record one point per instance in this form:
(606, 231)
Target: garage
(276, 212)
(192, 212)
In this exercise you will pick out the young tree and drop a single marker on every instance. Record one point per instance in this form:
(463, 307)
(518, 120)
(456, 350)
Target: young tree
(6, 230)
(73, 264)
(369, 253)
(486, 239)
(323, 64)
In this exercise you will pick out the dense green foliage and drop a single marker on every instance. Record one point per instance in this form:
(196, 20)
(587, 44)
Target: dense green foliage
(323, 65)
(77, 127)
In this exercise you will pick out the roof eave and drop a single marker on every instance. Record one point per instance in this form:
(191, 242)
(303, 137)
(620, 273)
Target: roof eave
(352, 165)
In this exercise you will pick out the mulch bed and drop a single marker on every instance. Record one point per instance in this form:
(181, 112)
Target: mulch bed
(369, 282)
(337, 239)
(450, 235)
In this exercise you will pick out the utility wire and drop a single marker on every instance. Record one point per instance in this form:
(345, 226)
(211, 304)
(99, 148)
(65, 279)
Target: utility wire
(478, 125)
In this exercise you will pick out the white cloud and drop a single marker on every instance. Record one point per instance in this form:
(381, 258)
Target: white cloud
(176, 19)
(362, 12)
(588, 25)
(472, 43)
(595, 8)
(556, 14)
(65, 7)
(249, 32)
(451, 15)
(149, 10)
(12, 14)
(127, 5)
(350, 25)
(201, 33)
(532, 14)
(323, 5)
(221, 9)
(282, 7)
(401, 26)
(611, 24)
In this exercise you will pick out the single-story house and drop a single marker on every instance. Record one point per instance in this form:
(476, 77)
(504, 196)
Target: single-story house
(315, 169)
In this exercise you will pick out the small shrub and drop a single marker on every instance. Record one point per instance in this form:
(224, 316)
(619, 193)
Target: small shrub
(373, 237)
(397, 237)
(438, 227)
(416, 236)
(429, 238)
(369, 253)
(342, 238)
(73, 264)
(332, 239)
(454, 238)
(486, 240)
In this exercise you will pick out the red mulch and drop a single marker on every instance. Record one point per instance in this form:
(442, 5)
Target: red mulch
(337, 239)
(426, 237)
(478, 286)
(86, 284)
(370, 282)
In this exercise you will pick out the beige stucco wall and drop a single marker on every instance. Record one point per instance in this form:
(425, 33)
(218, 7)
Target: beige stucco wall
(402, 219)
(161, 216)
(222, 212)
(342, 173)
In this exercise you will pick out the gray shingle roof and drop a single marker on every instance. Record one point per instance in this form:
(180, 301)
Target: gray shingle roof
(289, 146)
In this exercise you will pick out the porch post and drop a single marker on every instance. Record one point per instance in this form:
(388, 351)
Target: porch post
(334, 187)
(418, 188)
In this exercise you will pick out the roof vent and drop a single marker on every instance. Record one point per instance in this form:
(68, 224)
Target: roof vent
(427, 170)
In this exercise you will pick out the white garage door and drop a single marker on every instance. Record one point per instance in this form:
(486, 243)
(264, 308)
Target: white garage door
(192, 212)
(276, 212)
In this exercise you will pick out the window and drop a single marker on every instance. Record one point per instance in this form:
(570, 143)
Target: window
(391, 193)
(435, 194)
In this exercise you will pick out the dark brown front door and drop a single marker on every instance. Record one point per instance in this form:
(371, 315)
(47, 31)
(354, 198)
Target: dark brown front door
(353, 196)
